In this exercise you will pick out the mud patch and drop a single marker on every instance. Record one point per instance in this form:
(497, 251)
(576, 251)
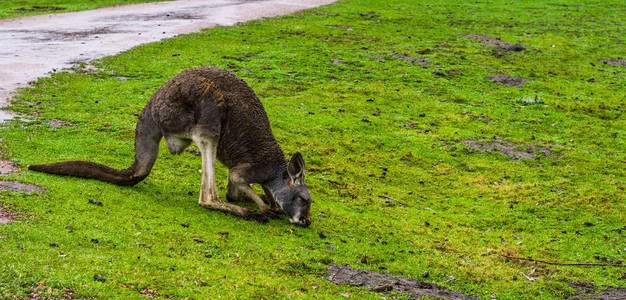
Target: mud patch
(55, 123)
(60, 35)
(6, 217)
(413, 60)
(77, 35)
(508, 80)
(145, 291)
(588, 291)
(508, 148)
(37, 8)
(378, 282)
(496, 43)
(41, 291)
(154, 17)
(152, 294)
(15, 186)
(617, 62)
(341, 26)
(167, 16)
(7, 168)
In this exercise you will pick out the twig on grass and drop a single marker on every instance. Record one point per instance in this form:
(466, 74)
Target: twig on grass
(563, 264)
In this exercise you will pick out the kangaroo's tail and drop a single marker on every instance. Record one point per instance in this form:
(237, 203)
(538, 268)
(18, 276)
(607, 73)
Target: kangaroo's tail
(87, 169)
(147, 138)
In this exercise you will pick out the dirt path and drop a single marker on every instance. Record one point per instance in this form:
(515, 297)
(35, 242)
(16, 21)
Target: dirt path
(33, 46)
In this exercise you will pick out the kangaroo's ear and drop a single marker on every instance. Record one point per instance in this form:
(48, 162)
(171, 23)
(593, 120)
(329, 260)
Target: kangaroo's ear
(295, 168)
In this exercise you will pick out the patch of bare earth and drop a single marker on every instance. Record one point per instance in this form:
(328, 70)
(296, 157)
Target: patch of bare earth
(496, 43)
(385, 283)
(37, 8)
(6, 217)
(7, 168)
(507, 80)
(341, 26)
(152, 294)
(55, 123)
(508, 148)
(588, 291)
(617, 62)
(64, 35)
(15, 186)
(145, 291)
(41, 290)
(413, 60)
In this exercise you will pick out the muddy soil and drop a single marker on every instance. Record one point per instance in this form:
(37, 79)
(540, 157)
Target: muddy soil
(617, 62)
(508, 148)
(7, 168)
(588, 291)
(6, 217)
(37, 8)
(413, 60)
(20, 187)
(385, 283)
(496, 43)
(508, 80)
(40, 290)
(55, 123)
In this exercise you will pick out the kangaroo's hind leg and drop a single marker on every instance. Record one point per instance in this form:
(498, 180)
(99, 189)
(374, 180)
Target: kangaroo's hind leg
(208, 191)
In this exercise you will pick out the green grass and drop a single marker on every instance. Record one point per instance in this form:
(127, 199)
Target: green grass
(19, 8)
(469, 201)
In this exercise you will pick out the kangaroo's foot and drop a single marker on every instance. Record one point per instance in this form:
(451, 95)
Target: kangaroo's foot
(236, 210)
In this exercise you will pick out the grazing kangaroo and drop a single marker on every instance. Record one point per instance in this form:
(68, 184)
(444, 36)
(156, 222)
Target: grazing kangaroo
(220, 113)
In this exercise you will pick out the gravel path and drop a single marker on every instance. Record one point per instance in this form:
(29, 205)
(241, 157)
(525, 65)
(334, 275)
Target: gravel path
(34, 46)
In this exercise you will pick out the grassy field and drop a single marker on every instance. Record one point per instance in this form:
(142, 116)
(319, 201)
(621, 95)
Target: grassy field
(389, 103)
(19, 8)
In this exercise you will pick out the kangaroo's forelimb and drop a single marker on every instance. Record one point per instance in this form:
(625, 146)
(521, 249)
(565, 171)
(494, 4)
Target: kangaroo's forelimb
(147, 138)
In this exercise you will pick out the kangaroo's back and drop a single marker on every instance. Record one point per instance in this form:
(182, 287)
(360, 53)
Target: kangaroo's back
(199, 96)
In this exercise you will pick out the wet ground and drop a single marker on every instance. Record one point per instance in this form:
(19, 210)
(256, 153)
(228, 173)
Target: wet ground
(616, 62)
(7, 167)
(508, 148)
(36, 45)
(507, 80)
(20, 187)
(587, 291)
(496, 42)
(385, 283)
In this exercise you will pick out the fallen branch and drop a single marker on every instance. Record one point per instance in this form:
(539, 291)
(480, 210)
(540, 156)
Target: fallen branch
(564, 264)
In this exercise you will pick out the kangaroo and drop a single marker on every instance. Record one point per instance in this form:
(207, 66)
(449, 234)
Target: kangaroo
(221, 114)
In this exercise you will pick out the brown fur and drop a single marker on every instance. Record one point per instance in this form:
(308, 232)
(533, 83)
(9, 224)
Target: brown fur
(215, 109)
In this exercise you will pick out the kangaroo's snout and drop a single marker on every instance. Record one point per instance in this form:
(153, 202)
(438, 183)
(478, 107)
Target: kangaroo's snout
(303, 222)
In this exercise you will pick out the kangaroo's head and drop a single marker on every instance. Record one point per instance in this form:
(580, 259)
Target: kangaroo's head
(293, 196)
